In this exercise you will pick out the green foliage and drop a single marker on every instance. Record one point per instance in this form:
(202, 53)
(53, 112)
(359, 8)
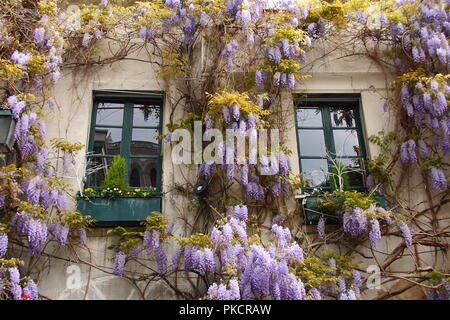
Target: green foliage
(316, 272)
(116, 176)
(334, 202)
(10, 263)
(156, 222)
(338, 179)
(184, 123)
(198, 239)
(78, 221)
(435, 277)
(128, 240)
(117, 193)
(66, 146)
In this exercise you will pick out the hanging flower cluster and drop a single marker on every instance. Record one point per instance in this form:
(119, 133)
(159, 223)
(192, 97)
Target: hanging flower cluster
(358, 221)
(13, 286)
(262, 272)
(419, 39)
(283, 53)
(31, 59)
(425, 102)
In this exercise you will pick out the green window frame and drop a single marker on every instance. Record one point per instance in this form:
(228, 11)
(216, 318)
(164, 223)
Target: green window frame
(128, 104)
(329, 120)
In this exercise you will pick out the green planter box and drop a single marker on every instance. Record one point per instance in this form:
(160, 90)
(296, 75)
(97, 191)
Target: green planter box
(118, 212)
(312, 217)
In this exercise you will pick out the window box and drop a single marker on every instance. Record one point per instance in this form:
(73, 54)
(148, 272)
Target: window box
(122, 211)
(311, 217)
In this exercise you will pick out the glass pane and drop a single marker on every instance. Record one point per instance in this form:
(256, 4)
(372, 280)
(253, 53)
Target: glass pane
(346, 143)
(342, 116)
(110, 114)
(309, 117)
(144, 142)
(354, 170)
(107, 141)
(146, 115)
(312, 142)
(315, 171)
(144, 173)
(97, 169)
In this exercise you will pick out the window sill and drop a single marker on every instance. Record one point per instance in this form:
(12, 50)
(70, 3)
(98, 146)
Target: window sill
(127, 211)
(311, 216)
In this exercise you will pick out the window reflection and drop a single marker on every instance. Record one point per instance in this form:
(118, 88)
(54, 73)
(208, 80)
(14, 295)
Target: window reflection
(312, 142)
(143, 172)
(107, 141)
(309, 117)
(346, 143)
(342, 116)
(355, 171)
(109, 114)
(146, 115)
(98, 167)
(315, 171)
(144, 142)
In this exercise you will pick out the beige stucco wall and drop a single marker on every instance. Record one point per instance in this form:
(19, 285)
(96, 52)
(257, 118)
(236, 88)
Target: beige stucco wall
(72, 120)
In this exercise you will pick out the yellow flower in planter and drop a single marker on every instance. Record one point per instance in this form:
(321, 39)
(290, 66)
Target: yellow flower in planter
(137, 190)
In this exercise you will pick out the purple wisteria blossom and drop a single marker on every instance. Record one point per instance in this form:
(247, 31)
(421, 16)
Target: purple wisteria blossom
(315, 294)
(406, 233)
(161, 259)
(375, 233)
(83, 236)
(259, 78)
(321, 228)
(229, 53)
(423, 149)
(175, 258)
(216, 236)
(39, 34)
(439, 179)
(360, 17)
(31, 290)
(60, 233)
(119, 264)
(3, 244)
(355, 222)
(255, 191)
(408, 152)
(86, 40)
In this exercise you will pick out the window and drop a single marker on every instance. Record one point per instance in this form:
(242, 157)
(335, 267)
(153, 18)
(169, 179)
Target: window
(126, 124)
(329, 133)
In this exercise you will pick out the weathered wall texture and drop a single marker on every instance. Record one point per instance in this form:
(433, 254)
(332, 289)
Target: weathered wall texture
(72, 120)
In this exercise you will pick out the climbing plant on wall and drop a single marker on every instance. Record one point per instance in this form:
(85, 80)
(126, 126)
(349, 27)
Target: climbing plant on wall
(256, 53)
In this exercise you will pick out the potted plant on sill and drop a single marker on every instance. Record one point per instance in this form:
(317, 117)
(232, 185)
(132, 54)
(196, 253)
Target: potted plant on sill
(115, 203)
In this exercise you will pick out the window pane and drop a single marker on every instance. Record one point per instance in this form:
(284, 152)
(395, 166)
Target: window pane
(354, 171)
(315, 171)
(107, 141)
(146, 115)
(144, 142)
(143, 172)
(110, 114)
(309, 117)
(312, 142)
(342, 116)
(97, 169)
(346, 143)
